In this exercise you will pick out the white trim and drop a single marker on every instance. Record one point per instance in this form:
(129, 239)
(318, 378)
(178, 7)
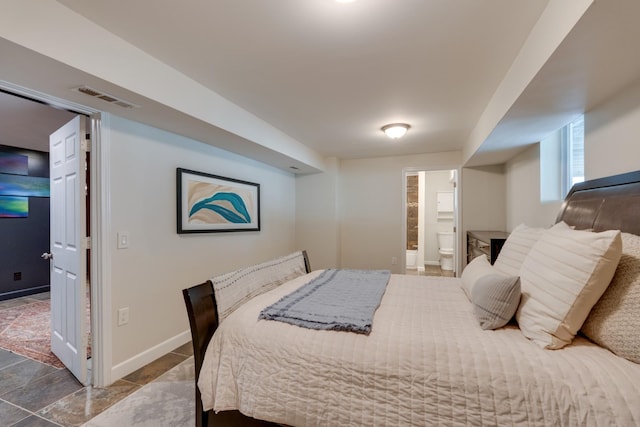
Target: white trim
(403, 225)
(48, 99)
(141, 359)
(100, 249)
(432, 263)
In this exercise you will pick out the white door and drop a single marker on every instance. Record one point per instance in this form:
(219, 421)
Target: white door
(68, 247)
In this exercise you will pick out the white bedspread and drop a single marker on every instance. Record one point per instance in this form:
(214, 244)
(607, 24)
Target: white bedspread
(426, 362)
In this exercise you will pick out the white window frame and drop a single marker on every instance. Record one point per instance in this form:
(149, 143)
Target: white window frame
(556, 162)
(568, 167)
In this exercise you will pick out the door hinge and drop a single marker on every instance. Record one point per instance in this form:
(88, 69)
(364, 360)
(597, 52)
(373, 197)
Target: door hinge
(87, 242)
(86, 145)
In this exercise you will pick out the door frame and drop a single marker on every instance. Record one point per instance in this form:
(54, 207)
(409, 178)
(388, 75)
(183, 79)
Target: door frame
(457, 209)
(99, 226)
(100, 218)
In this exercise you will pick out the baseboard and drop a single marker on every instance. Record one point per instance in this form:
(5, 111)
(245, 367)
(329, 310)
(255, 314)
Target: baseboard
(432, 263)
(141, 359)
(23, 292)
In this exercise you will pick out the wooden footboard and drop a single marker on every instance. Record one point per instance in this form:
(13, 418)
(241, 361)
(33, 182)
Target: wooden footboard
(203, 320)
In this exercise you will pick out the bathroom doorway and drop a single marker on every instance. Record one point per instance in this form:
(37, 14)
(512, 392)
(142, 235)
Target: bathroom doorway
(430, 206)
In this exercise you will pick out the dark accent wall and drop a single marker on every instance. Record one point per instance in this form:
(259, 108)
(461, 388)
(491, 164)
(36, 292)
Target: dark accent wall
(23, 240)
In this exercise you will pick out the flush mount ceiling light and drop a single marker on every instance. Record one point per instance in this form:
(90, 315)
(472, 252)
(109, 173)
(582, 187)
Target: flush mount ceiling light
(395, 130)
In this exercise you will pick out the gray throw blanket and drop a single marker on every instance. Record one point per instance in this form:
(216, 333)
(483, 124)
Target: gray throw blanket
(342, 300)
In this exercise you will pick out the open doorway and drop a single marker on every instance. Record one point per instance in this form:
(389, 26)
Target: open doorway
(25, 298)
(430, 213)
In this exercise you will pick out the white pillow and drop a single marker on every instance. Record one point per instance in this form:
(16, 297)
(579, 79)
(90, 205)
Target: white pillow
(477, 268)
(495, 299)
(562, 277)
(234, 289)
(516, 248)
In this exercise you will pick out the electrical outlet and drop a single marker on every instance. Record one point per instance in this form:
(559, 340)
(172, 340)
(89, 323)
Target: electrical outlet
(123, 239)
(394, 260)
(17, 275)
(123, 316)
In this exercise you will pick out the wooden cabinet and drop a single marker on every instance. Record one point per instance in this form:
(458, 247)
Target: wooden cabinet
(486, 243)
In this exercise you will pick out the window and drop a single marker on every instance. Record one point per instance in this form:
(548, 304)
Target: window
(573, 152)
(562, 161)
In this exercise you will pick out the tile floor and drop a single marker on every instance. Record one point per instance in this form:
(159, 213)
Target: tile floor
(35, 394)
(431, 270)
(167, 401)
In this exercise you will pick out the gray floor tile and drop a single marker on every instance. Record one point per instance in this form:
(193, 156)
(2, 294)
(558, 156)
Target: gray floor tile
(8, 358)
(154, 369)
(79, 407)
(35, 421)
(10, 414)
(22, 373)
(43, 391)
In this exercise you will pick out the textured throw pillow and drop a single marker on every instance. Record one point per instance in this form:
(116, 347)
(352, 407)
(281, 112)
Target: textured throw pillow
(562, 277)
(234, 289)
(478, 267)
(516, 248)
(495, 300)
(614, 322)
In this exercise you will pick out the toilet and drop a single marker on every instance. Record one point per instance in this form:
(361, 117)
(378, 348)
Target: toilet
(445, 247)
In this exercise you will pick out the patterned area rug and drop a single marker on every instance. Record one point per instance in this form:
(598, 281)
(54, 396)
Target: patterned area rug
(26, 330)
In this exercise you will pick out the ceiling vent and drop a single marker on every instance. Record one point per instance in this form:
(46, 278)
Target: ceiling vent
(105, 97)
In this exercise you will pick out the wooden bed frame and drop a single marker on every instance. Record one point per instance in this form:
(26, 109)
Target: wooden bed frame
(203, 321)
(611, 203)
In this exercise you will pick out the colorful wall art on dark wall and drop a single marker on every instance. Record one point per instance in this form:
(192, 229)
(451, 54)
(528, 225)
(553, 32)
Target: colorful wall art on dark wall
(16, 164)
(16, 186)
(24, 221)
(14, 207)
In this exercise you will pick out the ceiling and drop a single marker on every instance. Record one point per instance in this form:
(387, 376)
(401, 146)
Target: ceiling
(330, 75)
(291, 82)
(28, 124)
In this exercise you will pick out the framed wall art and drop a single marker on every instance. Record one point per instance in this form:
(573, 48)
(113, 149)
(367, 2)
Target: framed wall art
(14, 207)
(212, 204)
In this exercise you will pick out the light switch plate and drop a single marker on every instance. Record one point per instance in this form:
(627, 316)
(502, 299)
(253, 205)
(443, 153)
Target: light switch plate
(123, 316)
(123, 239)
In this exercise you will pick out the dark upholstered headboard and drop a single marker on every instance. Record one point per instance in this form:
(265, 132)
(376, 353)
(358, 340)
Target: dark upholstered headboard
(611, 203)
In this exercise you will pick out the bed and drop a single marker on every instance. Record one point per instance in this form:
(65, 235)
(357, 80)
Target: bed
(427, 361)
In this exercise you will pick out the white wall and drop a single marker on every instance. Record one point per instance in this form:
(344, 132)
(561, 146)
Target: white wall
(556, 21)
(148, 277)
(370, 206)
(610, 148)
(317, 216)
(551, 167)
(611, 135)
(523, 192)
(483, 201)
